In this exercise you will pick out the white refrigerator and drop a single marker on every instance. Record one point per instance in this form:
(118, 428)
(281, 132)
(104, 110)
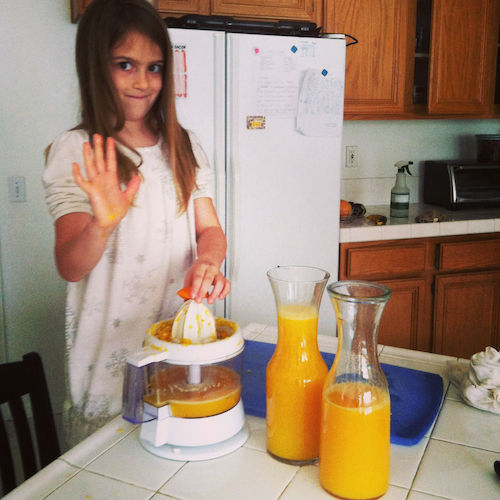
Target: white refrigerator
(268, 111)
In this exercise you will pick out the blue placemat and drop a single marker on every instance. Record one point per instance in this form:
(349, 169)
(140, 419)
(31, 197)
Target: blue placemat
(415, 396)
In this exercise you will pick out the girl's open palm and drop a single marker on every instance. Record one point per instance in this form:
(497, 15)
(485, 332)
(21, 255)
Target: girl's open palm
(108, 201)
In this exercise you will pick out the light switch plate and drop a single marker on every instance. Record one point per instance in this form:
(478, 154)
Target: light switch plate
(17, 189)
(351, 156)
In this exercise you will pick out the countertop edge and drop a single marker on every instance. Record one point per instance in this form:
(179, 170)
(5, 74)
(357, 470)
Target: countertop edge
(359, 229)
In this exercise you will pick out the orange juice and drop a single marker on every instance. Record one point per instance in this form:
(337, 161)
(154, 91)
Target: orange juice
(294, 384)
(355, 441)
(219, 391)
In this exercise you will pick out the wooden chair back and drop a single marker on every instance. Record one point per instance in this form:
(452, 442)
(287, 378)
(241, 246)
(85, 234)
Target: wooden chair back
(17, 379)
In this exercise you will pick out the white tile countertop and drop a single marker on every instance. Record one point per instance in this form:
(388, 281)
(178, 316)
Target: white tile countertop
(456, 222)
(453, 461)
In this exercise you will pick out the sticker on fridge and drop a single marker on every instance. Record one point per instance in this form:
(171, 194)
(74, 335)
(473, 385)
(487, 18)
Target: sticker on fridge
(256, 122)
(321, 103)
(180, 70)
(275, 83)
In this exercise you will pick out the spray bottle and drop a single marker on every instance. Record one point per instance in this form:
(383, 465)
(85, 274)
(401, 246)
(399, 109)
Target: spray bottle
(400, 194)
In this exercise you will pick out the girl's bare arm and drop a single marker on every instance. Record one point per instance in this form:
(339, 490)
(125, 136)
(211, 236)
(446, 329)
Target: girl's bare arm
(212, 247)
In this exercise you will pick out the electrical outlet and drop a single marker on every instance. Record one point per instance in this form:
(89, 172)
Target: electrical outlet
(17, 189)
(351, 156)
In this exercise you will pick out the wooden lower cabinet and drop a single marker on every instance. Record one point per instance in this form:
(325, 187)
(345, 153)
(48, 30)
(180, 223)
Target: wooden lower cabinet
(404, 320)
(467, 313)
(445, 290)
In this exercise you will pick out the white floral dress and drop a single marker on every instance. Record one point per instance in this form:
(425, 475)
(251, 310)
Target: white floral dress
(133, 285)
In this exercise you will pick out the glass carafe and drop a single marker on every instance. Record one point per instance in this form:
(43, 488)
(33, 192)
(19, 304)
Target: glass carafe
(355, 426)
(296, 372)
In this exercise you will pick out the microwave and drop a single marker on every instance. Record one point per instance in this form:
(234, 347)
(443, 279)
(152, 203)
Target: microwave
(459, 184)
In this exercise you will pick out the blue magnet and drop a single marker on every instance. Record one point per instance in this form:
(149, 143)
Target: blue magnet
(294, 49)
(324, 72)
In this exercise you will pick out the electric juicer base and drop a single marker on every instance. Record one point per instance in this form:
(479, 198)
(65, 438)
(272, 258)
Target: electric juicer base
(197, 453)
(194, 439)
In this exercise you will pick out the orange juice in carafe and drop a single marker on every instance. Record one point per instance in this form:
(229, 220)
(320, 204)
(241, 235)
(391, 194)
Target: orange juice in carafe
(294, 379)
(354, 458)
(296, 373)
(352, 435)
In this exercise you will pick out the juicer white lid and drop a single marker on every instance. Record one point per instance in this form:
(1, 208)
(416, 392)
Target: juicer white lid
(155, 350)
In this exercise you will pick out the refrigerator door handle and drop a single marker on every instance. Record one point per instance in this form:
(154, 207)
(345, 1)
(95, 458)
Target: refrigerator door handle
(220, 123)
(233, 166)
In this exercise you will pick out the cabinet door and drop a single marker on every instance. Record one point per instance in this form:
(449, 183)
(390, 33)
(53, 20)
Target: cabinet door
(304, 10)
(372, 261)
(375, 66)
(469, 255)
(403, 322)
(184, 6)
(463, 48)
(466, 313)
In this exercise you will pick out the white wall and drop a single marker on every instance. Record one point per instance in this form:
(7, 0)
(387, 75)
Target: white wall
(38, 100)
(382, 143)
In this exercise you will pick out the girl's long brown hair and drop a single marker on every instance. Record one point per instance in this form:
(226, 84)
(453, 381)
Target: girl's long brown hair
(102, 25)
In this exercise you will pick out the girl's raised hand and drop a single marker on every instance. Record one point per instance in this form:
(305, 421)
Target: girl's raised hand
(108, 201)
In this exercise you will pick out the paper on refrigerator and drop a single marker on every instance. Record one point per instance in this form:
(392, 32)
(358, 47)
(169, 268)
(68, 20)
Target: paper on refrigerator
(321, 104)
(180, 70)
(276, 82)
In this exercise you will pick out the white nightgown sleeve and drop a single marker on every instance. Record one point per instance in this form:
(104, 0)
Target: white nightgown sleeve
(62, 194)
(204, 174)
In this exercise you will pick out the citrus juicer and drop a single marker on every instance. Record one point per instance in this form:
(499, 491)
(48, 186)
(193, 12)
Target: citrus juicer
(184, 386)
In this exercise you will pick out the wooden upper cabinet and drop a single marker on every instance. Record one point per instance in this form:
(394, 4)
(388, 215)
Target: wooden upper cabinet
(78, 8)
(182, 7)
(375, 66)
(300, 10)
(464, 35)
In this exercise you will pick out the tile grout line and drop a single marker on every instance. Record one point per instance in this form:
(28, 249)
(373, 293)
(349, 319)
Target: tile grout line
(289, 483)
(64, 482)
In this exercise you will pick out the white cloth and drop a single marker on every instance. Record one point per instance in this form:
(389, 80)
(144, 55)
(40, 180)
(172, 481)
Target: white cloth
(134, 284)
(481, 387)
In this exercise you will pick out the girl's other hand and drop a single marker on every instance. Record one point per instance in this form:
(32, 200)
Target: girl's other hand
(201, 277)
(108, 201)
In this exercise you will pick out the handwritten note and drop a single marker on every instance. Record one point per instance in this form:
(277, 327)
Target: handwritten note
(321, 104)
(276, 83)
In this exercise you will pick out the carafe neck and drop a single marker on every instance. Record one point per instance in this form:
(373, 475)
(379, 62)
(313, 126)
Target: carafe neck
(358, 307)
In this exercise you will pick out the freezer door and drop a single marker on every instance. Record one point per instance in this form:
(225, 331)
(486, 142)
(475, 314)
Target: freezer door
(199, 73)
(199, 70)
(284, 128)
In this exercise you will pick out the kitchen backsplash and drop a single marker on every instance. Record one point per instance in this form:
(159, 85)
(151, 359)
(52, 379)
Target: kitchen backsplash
(380, 144)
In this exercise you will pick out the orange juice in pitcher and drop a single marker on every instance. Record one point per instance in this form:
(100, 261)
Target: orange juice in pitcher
(355, 438)
(296, 373)
(354, 460)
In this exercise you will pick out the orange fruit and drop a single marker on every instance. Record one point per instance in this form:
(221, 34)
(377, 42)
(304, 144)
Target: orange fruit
(185, 293)
(345, 209)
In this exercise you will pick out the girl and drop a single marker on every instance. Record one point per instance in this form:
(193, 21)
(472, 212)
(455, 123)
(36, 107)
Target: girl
(140, 225)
